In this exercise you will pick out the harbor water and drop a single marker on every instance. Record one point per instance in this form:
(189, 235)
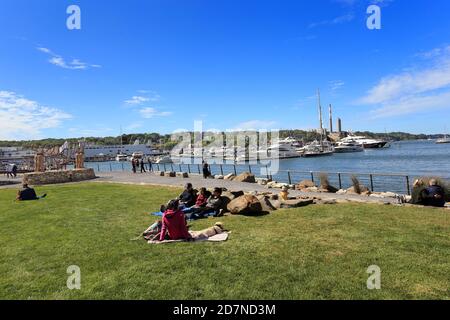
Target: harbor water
(389, 166)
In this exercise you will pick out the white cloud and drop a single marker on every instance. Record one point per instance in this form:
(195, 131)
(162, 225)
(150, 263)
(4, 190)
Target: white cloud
(419, 90)
(21, 118)
(145, 96)
(335, 85)
(150, 112)
(414, 104)
(255, 125)
(136, 100)
(59, 61)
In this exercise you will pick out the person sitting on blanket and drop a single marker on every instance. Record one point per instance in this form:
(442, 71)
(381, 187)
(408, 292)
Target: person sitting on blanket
(214, 204)
(174, 223)
(188, 197)
(201, 201)
(27, 193)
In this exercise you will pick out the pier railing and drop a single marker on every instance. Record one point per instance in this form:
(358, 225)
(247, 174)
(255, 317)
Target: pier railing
(376, 182)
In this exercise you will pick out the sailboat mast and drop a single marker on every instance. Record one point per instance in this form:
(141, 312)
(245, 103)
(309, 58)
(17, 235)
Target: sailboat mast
(320, 119)
(320, 111)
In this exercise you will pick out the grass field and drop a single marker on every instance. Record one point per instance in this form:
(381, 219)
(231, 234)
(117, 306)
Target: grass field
(316, 252)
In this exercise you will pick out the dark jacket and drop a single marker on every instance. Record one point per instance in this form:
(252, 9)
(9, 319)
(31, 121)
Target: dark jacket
(27, 194)
(188, 197)
(433, 196)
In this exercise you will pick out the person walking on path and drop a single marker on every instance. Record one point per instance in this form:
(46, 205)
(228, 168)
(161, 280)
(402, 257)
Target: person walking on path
(133, 165)
(14, 170)
(142, 166)
(150, 167)
(206, 170)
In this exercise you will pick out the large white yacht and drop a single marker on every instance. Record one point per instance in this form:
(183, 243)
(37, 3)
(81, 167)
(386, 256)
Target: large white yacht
(317, 149)
(280, 149)
(445, 139)
(348, 146)
(366, 143)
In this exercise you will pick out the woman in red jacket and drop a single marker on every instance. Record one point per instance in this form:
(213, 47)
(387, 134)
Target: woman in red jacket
(174, 223)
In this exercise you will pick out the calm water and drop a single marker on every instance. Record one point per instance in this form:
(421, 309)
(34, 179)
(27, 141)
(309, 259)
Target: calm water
(415, 158)
(406, 158)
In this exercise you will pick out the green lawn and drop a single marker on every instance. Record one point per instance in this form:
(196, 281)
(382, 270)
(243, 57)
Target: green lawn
(316, 252)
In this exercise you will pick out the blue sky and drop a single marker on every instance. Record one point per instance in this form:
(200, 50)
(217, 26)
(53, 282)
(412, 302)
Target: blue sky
(156, 66)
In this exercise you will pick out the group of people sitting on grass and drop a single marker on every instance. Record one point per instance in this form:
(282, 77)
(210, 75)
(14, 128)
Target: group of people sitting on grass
(190, 205)
(197, 205)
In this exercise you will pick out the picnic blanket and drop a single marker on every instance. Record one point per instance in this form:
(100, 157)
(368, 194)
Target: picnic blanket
(216, 238)
(191, 216)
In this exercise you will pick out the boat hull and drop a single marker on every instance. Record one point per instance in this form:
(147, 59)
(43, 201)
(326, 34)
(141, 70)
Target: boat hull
(376, 145)
(318, 154)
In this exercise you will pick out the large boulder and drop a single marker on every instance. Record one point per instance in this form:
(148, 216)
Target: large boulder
(305, 184)
(266, 205)
(363, 190)
(182, 174)
(246, 204)
(245, 177)
(170, 174)
(229, 176)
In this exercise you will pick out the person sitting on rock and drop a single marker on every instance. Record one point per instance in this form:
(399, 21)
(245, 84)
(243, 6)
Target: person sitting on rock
(27, 193)
(434, 195)
(188, 197)
(174, 223)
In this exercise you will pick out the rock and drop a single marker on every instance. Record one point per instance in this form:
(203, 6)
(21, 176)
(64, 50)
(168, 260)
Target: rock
(326, 201)
(170, 174)
(275, 203)
(182, 174)
(246, 204)
(218, 177)
(228, 194)
(229, 176)
(376, 195)
(161, 173)
(262, 181)
(329, 189)
(363, 189)
(245, 177)
(236, 194)
(341, 191)
(388, 195)
(305, 184)
(310, 189)
(295, 203)
(271, 184)
(266, 205)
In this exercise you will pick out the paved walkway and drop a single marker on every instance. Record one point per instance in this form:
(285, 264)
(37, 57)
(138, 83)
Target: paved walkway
(198, 182)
